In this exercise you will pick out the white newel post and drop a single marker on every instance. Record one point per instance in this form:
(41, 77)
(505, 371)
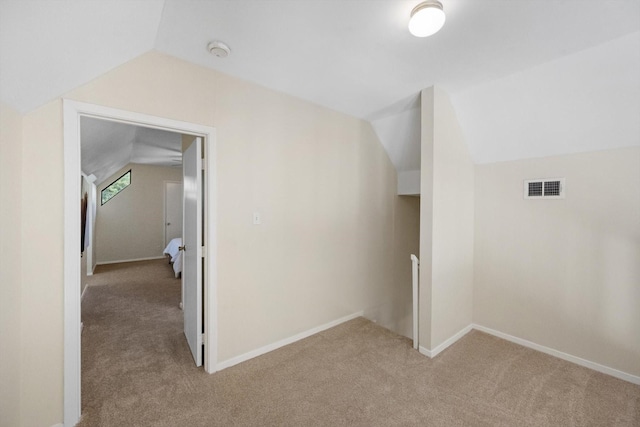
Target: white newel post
(415, 262)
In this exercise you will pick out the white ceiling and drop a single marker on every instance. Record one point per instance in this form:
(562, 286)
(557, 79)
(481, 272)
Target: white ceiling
(582, 102)
(108, 146)
(49, 47)
(356, 56)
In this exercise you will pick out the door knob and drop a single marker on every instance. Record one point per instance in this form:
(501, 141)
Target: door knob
(181, 248)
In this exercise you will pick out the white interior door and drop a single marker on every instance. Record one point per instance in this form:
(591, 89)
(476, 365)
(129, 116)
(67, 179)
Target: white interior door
(172, 211)
(192, 252)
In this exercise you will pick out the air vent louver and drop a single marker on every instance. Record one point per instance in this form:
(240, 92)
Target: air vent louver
(535, 189)
(552, 188)
(544, 188)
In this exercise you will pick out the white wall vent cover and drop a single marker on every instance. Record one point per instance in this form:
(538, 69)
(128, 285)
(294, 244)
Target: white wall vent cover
(544, 188)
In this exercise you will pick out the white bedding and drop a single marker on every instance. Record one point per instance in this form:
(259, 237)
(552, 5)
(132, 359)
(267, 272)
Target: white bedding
(175, 253)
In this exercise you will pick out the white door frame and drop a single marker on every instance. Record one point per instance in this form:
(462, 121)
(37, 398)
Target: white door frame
(72, 111)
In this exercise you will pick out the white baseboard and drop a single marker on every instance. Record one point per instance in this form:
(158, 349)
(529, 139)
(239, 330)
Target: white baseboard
(93, 269)
(547, 350)
(131, 260)
(564, 356)
(58, 425)
(455, 337)
(274, 346)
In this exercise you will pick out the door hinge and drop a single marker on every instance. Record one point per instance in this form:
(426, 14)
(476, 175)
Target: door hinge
(204, 252)
(203, 338)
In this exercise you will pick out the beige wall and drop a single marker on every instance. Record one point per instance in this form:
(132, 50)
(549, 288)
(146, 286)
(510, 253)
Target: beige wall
(321, 179)
(406, 242)
(10, 264)
(186, 141)
(427, 99)
(453, 224)
(42, 267)
(447, 192)
(131, 225)
(563, 273)
(396, 311)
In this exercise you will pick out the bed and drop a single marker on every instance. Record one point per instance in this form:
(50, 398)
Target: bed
(173, 250)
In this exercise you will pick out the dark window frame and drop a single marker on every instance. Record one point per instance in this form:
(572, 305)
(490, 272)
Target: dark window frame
(102, 201)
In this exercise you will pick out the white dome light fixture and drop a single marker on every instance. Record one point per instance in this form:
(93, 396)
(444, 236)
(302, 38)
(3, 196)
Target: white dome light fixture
(427, 18)
(218, 49)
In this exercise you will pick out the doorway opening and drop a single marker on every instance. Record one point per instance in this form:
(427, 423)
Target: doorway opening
(172, 211)
(73, 112)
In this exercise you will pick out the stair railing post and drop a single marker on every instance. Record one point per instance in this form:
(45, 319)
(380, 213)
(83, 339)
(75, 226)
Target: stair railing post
(415, 263)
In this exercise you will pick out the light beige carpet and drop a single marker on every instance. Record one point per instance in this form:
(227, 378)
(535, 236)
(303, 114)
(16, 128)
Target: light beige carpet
(137, 371)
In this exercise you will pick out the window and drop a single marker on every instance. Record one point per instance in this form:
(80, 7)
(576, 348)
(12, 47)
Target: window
(115, 187)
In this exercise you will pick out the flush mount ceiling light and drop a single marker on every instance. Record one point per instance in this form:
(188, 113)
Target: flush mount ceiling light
(426, 18)
(218, 49)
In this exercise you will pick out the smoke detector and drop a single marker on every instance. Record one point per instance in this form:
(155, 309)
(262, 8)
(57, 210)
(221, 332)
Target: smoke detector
(218, 49)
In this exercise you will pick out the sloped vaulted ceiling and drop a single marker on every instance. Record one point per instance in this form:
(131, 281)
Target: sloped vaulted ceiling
(49, 47)
(108, 146)
(519, 72)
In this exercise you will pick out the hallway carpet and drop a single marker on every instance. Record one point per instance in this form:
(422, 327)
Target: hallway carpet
(137, 371)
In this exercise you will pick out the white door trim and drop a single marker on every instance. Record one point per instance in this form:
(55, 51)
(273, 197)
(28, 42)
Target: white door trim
(72, 111)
